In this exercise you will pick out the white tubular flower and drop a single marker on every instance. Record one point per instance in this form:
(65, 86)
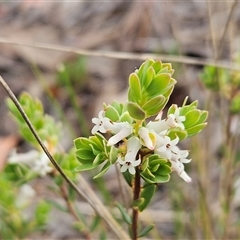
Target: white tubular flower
(158, 125)
(38, 161)
(166, 146)
(175, 120)
(121, 130)
(179, 168)
(41, 165)
(181, 155)
(26, 193)
(26, 158)
(102, 124)
(148, 138)
(129, 163)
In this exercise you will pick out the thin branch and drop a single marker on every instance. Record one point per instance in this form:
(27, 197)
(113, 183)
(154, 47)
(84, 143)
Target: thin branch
(99, 207)
(226, 26)
(72, 211)
(126, 55)
(213, 35)
(136, 195)
(121, 187)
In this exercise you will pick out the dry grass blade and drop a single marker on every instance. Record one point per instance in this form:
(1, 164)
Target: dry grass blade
(126, 55)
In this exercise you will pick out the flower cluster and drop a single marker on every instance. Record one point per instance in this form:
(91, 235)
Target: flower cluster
(37, 161)
(125, 134)
(153, 137)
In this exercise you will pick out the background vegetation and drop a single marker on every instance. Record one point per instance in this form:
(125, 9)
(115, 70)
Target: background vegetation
(73, 57)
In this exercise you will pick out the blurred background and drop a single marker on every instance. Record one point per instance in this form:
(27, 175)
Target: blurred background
(72, 87)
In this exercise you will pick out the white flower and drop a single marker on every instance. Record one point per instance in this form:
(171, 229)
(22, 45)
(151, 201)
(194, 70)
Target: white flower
(38, 161)
(158, 125)
(41, 165)
(26, 158)
(166, 146)
(178, 158)
(148, 137)
(175, 120)
(129, 163)
(102, 123)
(121, 130)
(179, 168)
(181, 155)
(172, 120)
(185, 177)
(26, 193)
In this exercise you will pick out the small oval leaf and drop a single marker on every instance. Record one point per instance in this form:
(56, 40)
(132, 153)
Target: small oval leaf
(103, 170)
(145, 231)
(154, 105)
(147, 194)
(124, 213)
(135, 111)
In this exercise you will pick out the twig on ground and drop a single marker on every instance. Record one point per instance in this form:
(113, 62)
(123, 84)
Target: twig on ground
(126, 55)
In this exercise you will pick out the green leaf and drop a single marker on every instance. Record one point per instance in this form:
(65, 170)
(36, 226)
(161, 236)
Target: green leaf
(169, 67)
(100, 158)
(181, 134)
(103, 235)
(161, 178)
(80, 142)
(124, 213)
(96, 142)
(138, 202)
(149, 173)
(164, 169)
(145, 164)
(155, 168)
(103, 170)
(158, 84)
(145, 231)
(118, 106)
(147, 178)
(196, 129)
(41, 213)
(147, 194)
(128, 177)
(188, 108)
(84, 154)
(150, 74)
(203, 117)
(157, 161)
(172, 109)
(100, 137)
(95, 223)
(135, 111)
(85, 167)
(113, 155)
(135, 92)
(154, 105)
(125, 117)
(57, 205)
(157, 66)
(143, 69)
(112, 113)
(192, 118)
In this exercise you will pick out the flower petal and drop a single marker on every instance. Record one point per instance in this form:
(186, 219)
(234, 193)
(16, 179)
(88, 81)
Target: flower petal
(185, 177)
(123, 133)
(124, 168)
(136, 162)
(131, 169)
(145, 136)
(133, 146)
